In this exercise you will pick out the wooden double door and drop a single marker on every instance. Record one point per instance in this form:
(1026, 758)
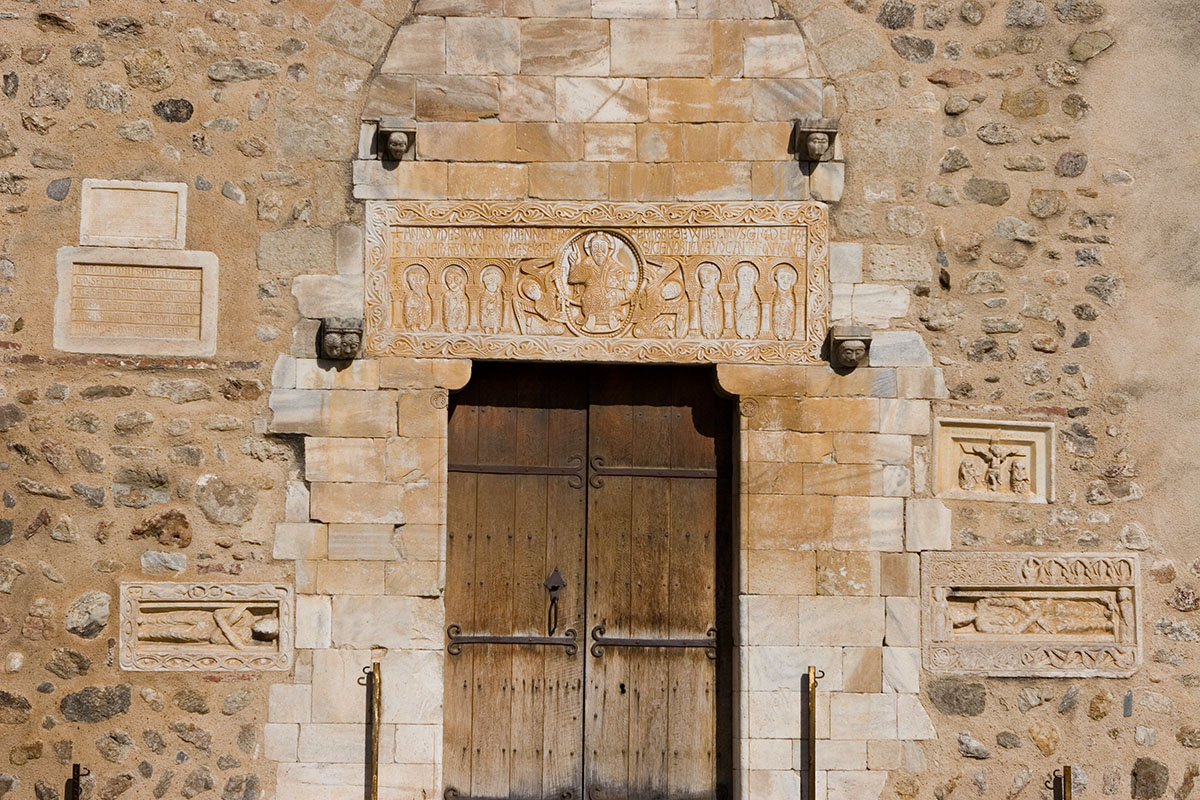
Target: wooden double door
(589, 638)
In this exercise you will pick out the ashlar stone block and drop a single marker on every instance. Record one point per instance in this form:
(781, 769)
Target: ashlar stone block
(418, 48)
(358, 502)
(862, 716)
(661, 47)
(300, 540)
(564, 47)
(600, 99)
(926, 525)
(362, 542)
(842, 621)
(335, 678)
(344, 459)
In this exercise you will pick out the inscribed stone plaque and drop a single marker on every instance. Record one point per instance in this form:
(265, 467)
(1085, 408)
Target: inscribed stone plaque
(1001, 460)
(217, 627)
(136, 301)
(694, 282)
(1029, 614)
(133, 214)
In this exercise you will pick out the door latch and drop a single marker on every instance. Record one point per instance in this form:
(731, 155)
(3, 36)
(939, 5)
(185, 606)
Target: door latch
(554, 584)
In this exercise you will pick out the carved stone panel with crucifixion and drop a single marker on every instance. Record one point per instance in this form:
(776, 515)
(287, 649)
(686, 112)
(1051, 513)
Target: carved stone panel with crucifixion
(655, 282)
(1029, 614)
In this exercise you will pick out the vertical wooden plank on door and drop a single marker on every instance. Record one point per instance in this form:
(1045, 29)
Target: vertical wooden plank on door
(649, 600)
(566, 527)
(528, 573)
(495, 522)
(692, 675)
(461, 493)
(609, 555)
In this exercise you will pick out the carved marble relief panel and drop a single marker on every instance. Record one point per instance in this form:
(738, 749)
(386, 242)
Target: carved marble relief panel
(211, 627)
(1025, 614)
(702, 282)
(1001, 460)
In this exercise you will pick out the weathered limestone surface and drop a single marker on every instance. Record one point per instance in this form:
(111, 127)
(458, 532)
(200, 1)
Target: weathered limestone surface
(991, 220)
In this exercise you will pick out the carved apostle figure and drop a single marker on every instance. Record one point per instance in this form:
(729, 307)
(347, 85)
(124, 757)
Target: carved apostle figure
(711, 317)
(745, 302)
(234, 626)
(783, 309)
(455, 311)
(418, 308)
(491, 302)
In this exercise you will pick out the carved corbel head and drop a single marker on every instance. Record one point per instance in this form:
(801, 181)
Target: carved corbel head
(812, 139)
(341, 338)
(849, 345)
(396, 139)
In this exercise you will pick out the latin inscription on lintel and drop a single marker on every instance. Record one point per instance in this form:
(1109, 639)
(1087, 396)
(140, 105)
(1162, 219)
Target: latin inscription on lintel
(652, 282)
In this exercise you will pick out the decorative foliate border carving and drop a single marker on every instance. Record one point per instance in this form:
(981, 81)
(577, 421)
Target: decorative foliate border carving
(210, 627)
(671, 308)
(1029, 614)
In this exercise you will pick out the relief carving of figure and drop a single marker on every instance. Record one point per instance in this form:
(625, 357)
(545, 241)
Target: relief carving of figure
(455, 310)
(660, 310)
(601, 277)
(537, 301)
(1018, 476)
(418, 308)
(968, 475)
(491, 302)
(235, 626)
(711, 316)
(1127, 618)
(745, 301)
(1012, 616)
(993, 456)
(783, 309)
(943, 622)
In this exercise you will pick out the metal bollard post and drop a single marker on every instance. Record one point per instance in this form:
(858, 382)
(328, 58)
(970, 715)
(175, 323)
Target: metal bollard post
(814, 675)
(1059, 783)
(77, 772)
(373, 679)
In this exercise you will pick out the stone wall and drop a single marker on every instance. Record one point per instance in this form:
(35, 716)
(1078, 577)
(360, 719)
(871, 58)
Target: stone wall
(1000, 223)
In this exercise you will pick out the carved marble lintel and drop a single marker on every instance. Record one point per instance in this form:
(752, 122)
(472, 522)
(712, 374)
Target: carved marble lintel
(211, 627)
(642, 282)
(1028, 614)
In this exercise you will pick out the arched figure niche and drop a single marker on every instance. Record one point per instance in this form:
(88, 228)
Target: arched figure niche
(745, 301)
(418, 308)
(455, 310)
(783, 308)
